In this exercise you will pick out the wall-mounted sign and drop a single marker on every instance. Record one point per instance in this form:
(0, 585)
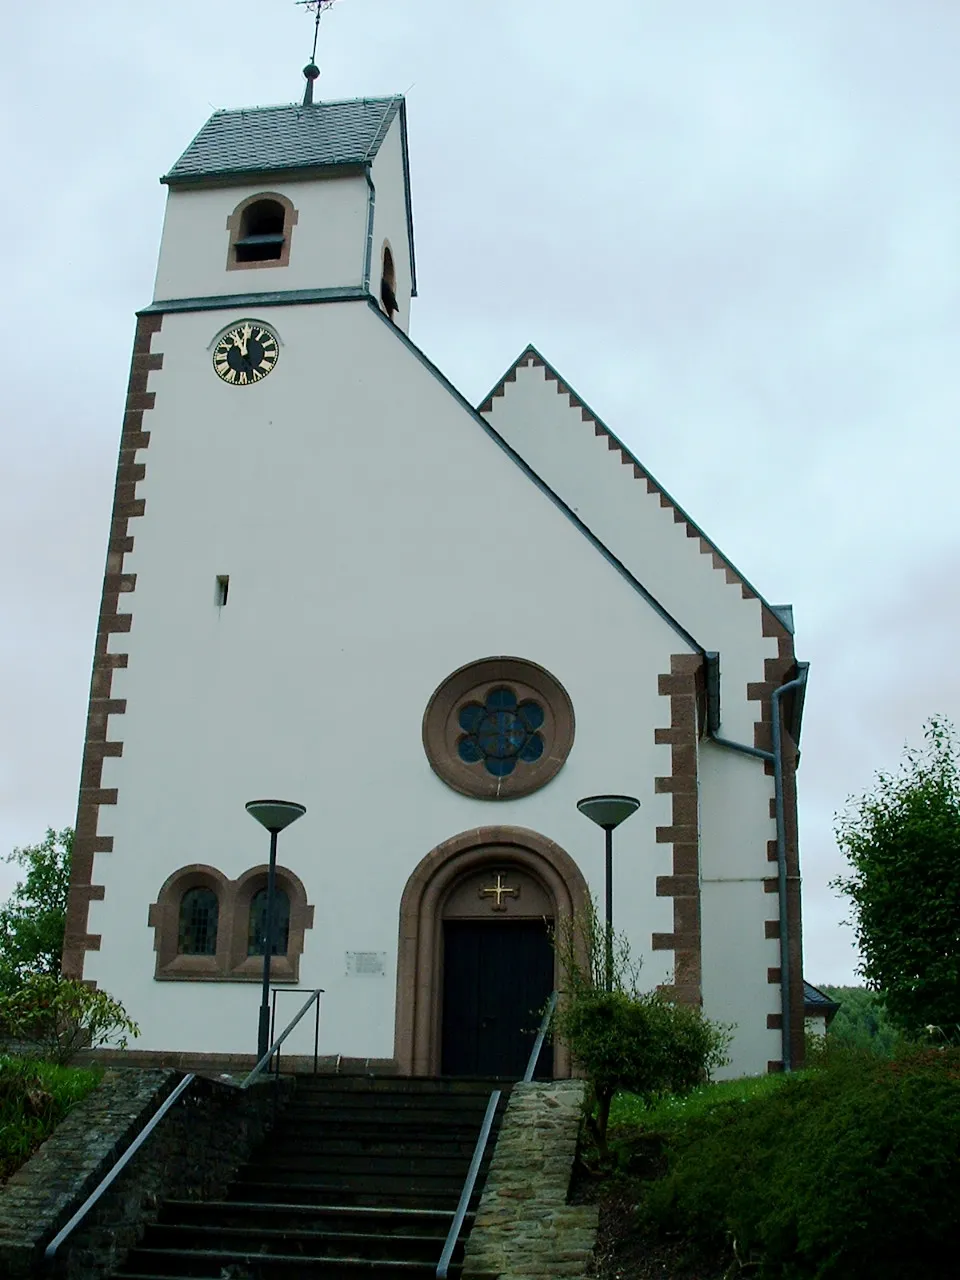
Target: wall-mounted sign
(366, 964)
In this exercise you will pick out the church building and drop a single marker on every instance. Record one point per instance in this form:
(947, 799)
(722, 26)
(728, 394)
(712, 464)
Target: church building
(333, 580)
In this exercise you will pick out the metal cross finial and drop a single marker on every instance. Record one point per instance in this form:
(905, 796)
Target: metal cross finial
(499, 891)
(311, 71)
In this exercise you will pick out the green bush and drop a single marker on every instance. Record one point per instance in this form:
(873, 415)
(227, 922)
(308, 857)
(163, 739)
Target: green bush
(34, 1098)
(61, 1017)
(638, 1042)
(848, 1172)
(625, 1039)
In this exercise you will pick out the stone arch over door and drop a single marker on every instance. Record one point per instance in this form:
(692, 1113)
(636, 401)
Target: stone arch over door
(434, 882)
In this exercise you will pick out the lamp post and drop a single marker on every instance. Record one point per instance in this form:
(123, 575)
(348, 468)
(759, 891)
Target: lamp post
(608, 812)
(274, 815)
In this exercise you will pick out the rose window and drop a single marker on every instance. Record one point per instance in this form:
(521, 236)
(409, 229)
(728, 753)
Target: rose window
(498, 728)
(500, 731)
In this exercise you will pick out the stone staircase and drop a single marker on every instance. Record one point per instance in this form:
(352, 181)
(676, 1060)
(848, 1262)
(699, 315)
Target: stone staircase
(360, 1177)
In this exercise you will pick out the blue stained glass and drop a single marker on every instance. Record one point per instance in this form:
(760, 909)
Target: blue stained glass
(471, 716)
(531, 714)
(499, 733)
(501, 699)
(500, 768)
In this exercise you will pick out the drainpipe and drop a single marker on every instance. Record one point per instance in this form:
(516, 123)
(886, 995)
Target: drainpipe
(368, 247)
(776, 759)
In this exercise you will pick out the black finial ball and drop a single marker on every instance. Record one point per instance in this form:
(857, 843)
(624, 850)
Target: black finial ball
(311, 71)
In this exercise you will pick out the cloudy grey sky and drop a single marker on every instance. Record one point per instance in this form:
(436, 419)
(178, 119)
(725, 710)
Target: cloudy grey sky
(734, 225)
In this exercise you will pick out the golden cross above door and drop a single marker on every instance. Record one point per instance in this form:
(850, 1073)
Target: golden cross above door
(499, 891)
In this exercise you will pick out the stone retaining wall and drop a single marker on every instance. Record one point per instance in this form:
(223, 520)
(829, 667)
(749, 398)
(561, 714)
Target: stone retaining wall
(524, 1229)
(193, 1153)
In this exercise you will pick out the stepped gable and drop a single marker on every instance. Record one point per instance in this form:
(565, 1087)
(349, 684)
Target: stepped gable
(531, 358)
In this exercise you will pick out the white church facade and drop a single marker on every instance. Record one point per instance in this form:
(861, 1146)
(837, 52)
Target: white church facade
(438, 626)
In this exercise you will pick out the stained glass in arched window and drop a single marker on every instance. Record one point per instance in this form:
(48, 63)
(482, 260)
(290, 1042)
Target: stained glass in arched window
(257, 927)
(199, 915)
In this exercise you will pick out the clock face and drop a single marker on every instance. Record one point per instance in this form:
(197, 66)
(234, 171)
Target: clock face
(246, 353)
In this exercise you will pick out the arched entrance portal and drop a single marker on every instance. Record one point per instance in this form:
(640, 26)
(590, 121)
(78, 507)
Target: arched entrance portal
(474, 952)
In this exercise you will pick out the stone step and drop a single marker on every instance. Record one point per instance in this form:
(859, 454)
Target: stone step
(434, 1198)
(382, 1246)
(374, 1142)
(352, 1100)
(393, 1220)
(393, 1163)
(397, 1084)
(341, 1119)
(237, 1265)
(382, 1185)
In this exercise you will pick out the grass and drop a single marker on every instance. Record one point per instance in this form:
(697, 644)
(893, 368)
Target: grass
(629, 1111)
(34, 1097)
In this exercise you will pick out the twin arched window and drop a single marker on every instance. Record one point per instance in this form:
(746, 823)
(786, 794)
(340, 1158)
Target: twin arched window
(209, 928)
(200, 915)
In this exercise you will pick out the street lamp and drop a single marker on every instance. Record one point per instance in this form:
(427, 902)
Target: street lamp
(274, 815)
(608, 812)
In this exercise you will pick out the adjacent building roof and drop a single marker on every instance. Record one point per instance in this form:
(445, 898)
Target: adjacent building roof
(323, 135)
(816, 1001)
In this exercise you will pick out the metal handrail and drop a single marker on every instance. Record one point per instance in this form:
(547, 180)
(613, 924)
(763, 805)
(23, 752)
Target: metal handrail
(470, 1182)
(275, 1047)
(50, 1252)
(168, 1103)
(453, 1234)
(541, 1036)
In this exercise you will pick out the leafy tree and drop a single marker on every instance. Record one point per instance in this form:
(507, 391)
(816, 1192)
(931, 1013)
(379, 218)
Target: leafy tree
(861, 1022)
(32, 921)
(902, 842)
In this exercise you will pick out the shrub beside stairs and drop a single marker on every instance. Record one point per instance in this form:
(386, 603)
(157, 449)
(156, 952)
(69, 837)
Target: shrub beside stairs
(360, 1177)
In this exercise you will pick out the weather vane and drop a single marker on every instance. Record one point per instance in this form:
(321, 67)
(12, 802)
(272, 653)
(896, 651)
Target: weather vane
(311, 71)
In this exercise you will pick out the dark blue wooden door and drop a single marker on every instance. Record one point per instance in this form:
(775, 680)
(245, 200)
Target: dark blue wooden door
(497, 976)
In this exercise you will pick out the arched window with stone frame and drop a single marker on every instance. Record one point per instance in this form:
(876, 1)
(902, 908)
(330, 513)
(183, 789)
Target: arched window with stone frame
(293, 916)
(190, 920)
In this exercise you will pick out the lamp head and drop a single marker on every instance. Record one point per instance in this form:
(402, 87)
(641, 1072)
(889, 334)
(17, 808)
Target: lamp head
(275, 814)
(608, 811)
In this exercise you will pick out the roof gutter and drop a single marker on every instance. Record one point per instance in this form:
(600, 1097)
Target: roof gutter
(371, 205)
(774, 757)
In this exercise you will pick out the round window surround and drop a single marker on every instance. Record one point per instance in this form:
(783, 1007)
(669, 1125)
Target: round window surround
(498, 728)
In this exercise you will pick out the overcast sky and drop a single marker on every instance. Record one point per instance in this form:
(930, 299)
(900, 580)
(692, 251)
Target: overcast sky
(734, 226)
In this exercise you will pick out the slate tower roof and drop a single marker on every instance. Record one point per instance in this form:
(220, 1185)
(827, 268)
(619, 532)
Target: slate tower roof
(323, 135)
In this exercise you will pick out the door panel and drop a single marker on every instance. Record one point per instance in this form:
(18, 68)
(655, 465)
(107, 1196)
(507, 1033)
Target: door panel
(498, 975)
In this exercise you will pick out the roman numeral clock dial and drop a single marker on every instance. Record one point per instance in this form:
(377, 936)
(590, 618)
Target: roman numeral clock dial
(245, 354)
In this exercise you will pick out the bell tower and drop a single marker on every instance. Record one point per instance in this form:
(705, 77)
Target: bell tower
(286, 227)
(297, 203)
